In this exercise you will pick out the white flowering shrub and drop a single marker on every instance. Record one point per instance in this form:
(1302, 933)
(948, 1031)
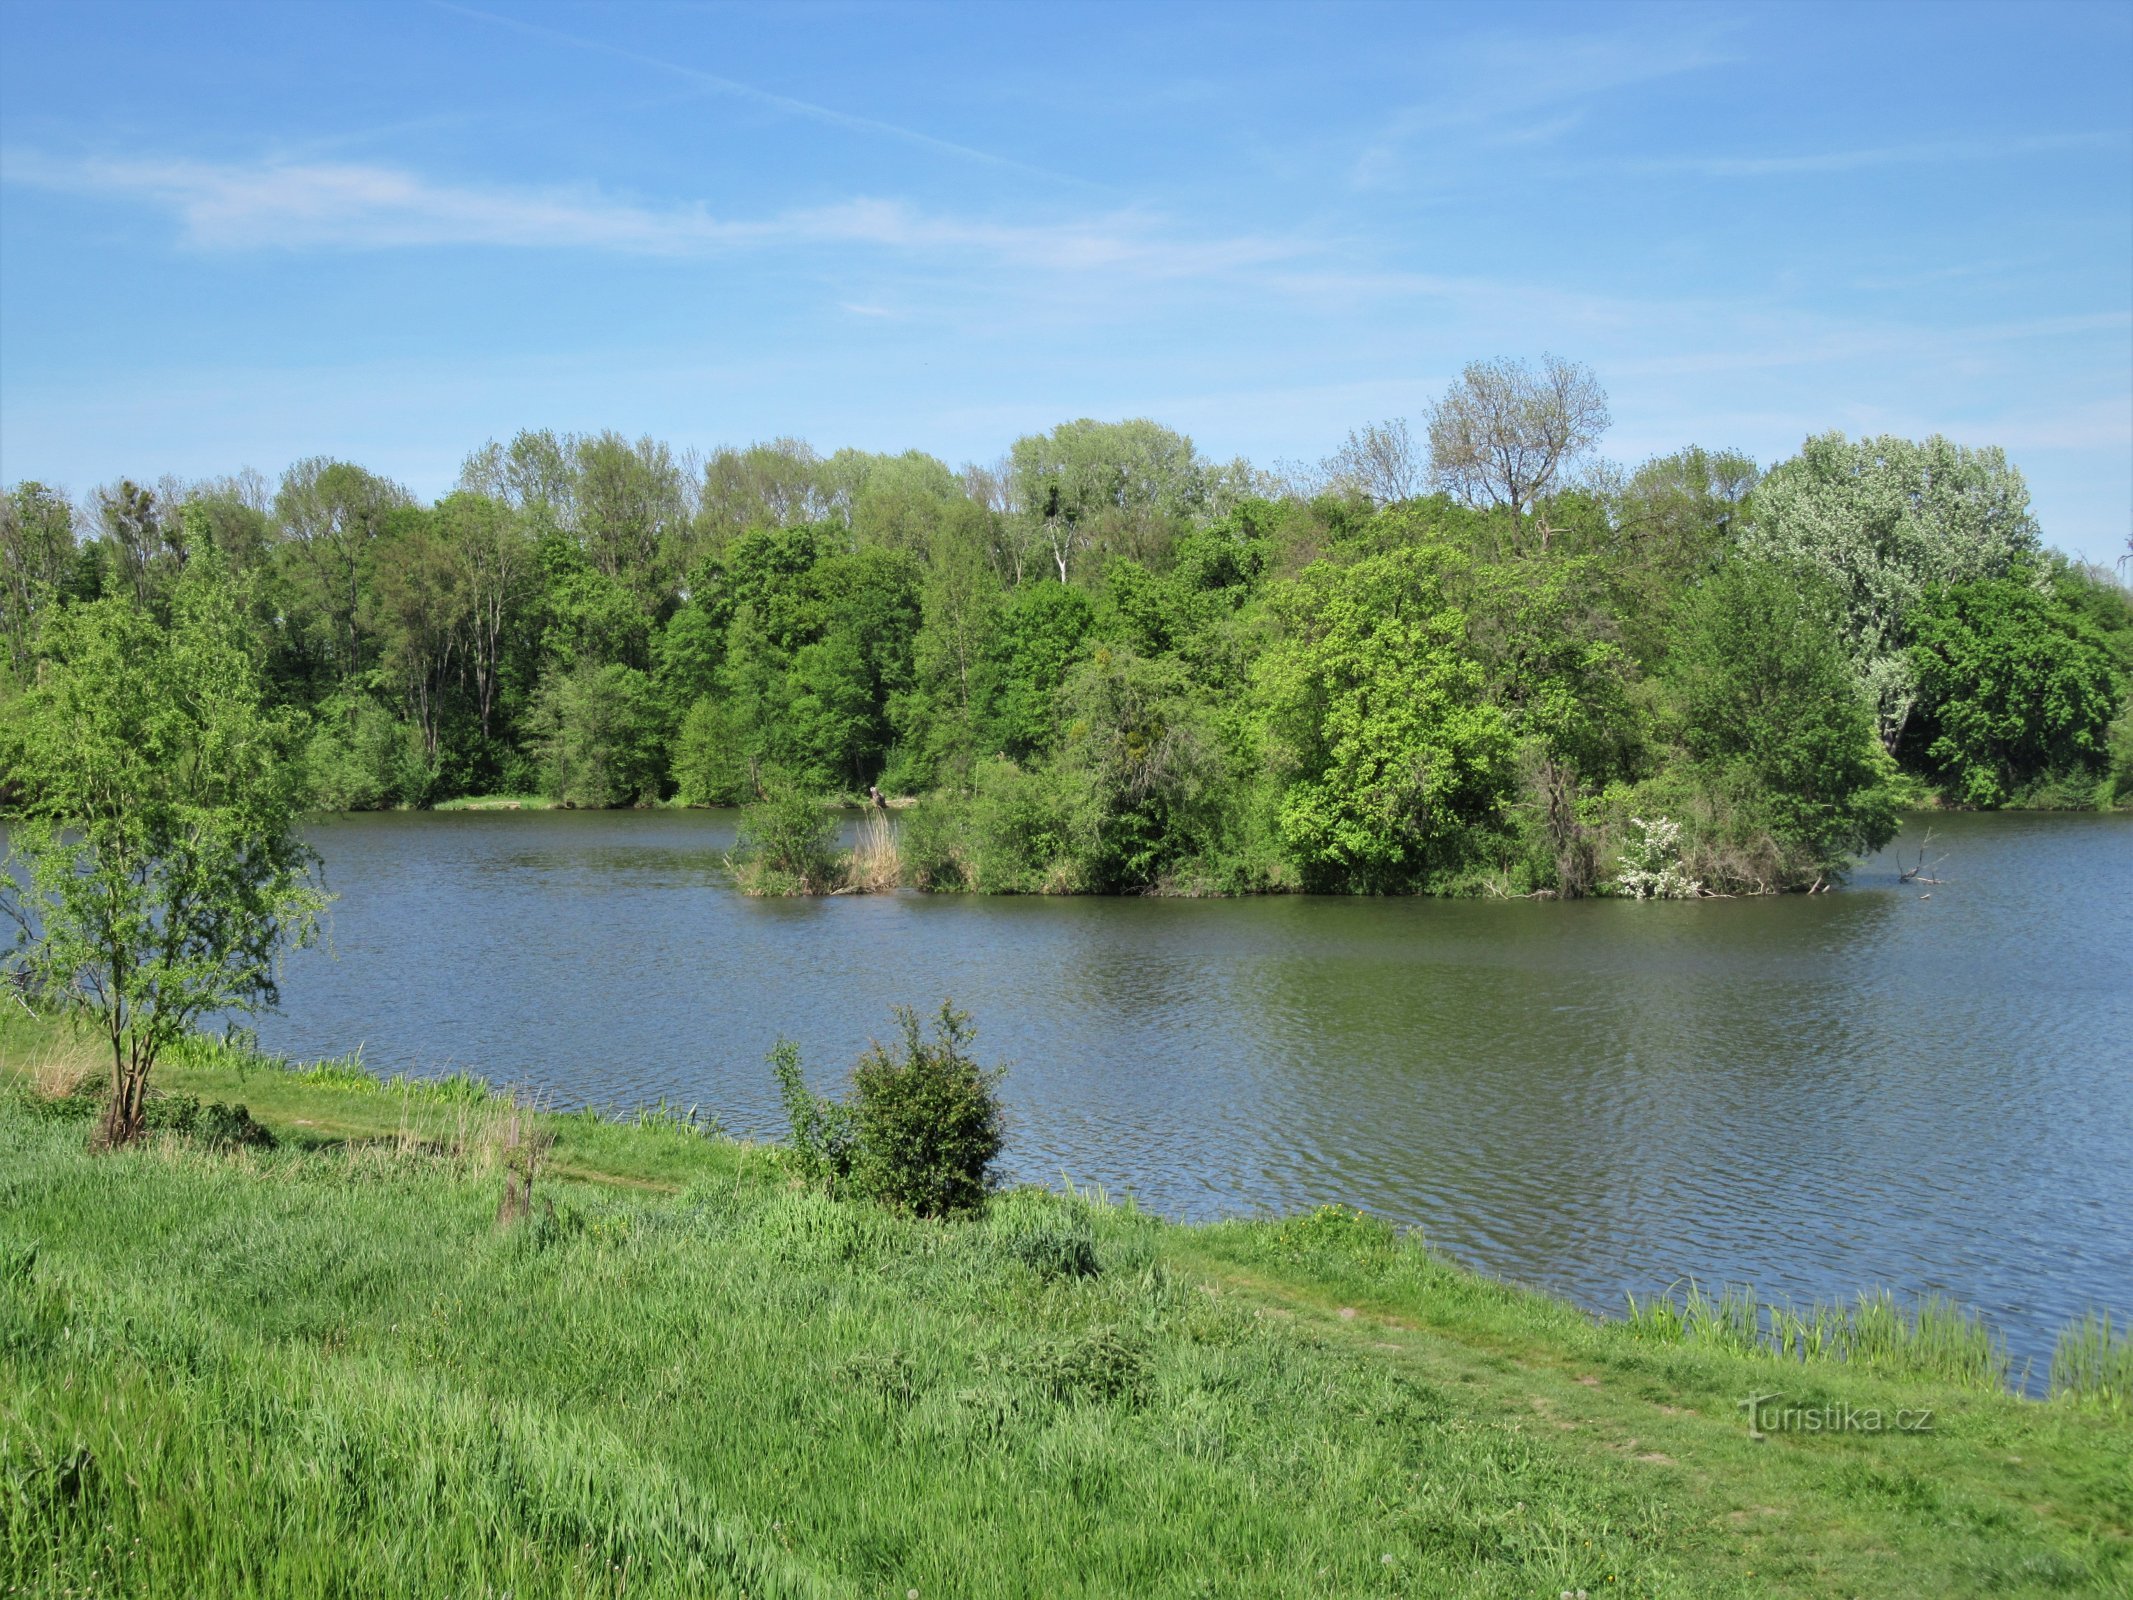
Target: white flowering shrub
(1651, 867)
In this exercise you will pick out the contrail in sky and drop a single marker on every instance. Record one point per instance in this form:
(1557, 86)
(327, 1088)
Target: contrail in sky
(763, 97)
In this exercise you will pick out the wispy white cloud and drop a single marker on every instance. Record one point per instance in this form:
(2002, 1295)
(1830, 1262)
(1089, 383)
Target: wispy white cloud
(1921, 153)
(785, 104)
(1499, 90)
(347, 206)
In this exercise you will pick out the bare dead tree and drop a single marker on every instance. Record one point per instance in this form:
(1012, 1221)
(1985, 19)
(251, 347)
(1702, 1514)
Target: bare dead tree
(1503, 434)
(1922, 870)
(1380, 460)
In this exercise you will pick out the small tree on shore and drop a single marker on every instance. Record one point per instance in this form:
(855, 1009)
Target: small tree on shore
(154, 872)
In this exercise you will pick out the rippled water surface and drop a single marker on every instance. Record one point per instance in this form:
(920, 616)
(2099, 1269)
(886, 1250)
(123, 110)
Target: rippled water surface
(1930, 1088)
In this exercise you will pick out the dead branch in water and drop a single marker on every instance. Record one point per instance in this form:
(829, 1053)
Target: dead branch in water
(1919, 872)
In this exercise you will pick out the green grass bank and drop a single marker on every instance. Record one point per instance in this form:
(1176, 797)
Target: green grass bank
(323, 1369)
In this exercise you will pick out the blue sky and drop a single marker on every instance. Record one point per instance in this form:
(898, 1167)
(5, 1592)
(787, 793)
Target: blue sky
(235, 235)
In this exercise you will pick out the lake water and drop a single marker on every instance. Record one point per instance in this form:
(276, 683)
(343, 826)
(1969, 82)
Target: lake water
(1928, 1087)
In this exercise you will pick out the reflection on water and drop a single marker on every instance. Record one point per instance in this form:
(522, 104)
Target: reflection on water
(1811, 1094)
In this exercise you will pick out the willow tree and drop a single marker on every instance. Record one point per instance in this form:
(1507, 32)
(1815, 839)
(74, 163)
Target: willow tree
(155, 874)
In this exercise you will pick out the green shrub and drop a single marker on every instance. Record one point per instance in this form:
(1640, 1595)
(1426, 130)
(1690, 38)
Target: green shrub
(936, 857)
(822, 1130)
(212, 1123)
(928, 1119)
(787, 845)
(920, 1131)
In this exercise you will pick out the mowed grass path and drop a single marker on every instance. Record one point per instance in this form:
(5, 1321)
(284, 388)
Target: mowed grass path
(324, 1370)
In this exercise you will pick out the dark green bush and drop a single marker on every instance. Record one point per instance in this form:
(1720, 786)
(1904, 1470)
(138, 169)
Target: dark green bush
(213, 1123)
(928, 1119)
(920, 1131)
(787, 845)
(936, 856)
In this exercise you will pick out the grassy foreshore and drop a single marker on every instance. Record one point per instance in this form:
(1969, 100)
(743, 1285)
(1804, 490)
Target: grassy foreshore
(324, 1369)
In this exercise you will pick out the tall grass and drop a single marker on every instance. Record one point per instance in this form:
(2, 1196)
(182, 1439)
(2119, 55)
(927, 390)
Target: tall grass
(874, 865)
(1932, 1337)
(330, 1371)
(2093, 1361)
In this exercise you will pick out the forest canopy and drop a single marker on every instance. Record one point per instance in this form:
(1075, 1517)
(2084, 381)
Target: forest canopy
(1465, 657)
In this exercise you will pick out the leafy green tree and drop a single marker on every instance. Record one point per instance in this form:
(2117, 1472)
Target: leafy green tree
(599, 736)
(632, 512)
(2012, 684)
(1545, 638)
(1777, 725)
(935, 721)
(360, 757)
(1379, 725)
(1111, 488)
(331, 515)
(1674, 520)
(1037, 636)
(420, 606)
(1137, 746)
(711, 757)
(494, 556)
(833, 730)
(774, 485)
(587, 615)
(1885, 520)
(140, 529)
(160, 871)
(37, 556)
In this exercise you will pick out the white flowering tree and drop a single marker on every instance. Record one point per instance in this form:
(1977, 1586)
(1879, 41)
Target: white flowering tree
(1886, 520)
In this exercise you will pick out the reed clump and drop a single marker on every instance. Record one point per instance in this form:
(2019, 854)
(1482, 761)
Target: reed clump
(1931, 1337)
(2093, 1362)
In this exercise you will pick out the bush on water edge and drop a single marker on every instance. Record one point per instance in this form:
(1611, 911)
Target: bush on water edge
(324, 1367)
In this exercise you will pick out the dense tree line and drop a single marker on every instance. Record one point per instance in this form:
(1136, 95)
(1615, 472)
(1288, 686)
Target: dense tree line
(1469, 658)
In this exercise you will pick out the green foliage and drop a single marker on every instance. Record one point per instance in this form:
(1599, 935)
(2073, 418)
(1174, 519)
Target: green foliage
(359, 757)
(1379, 720)
(1138, 748)
(2013, 683)
(599, 731)
(1118, 667)
(927, 1121)
(711, 762)
(1885, 521)
(1034, 641)
(1790, 780)
(821, 1130)
(1021, 831)
(787, 844)
(160, 873)
(919, 1132)
(935, 854)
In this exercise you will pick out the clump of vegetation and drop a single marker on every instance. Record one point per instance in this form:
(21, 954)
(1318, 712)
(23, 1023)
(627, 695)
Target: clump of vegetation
(787, 845)
(1931, 1337)
(2093, 1361)
(1651, 867)
(921, 1129)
